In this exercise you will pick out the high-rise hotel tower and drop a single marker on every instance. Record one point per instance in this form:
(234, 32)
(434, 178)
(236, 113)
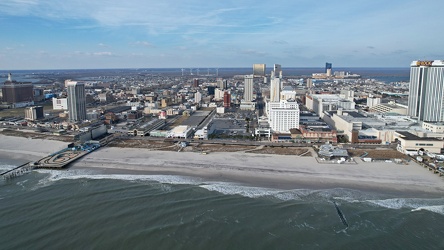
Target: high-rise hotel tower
(76, 101)
(426, 96)
(248, 88)
(276, 83)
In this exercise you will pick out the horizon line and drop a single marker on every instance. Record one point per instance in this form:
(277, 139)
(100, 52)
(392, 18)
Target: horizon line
(203, 68)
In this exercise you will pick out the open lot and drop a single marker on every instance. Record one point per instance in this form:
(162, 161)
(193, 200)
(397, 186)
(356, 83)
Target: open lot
(377, 153)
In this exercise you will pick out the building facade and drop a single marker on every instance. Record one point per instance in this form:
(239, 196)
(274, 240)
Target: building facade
(197, 97)
(17, 94)
(320, 103)
(283, 116)
(227, 99)
(275, 87)
(259, 70)
(76, 101)
(248, 88)
(426, 97)
(34, 113)
(60, 103)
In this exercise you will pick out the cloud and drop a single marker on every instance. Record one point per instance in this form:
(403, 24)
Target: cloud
(18, 7)
(104, 53)
(280, 42)
(252, 52)
(399, 51)
(103, 45)
(99, 53)
(143, 43)
(370, 47)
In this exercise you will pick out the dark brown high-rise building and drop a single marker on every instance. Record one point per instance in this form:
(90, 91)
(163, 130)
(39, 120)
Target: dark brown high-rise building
(227, 99)
(17, 92)
(195, 82)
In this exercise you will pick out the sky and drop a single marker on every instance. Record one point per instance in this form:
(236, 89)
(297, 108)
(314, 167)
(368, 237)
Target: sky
(85, 34)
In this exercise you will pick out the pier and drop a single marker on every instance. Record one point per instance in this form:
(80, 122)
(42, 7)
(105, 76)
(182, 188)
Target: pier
(64, 157)
(17, 171)
(57, 160)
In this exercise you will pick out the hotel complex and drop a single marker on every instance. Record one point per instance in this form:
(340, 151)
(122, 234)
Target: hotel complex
(282, 114)
(426, 91)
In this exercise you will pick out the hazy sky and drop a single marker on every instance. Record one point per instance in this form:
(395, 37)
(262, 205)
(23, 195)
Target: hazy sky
(65, 34)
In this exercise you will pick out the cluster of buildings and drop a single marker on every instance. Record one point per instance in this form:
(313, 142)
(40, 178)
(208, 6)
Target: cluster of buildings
(321, 107)
(328, 74)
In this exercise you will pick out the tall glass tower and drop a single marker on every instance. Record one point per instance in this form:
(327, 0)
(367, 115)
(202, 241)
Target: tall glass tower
(426, 91)
(76, 101)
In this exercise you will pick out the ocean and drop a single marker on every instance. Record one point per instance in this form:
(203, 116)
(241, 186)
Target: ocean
(386, 75)
(81, 209)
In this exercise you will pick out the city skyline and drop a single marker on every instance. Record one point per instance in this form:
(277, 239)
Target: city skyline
(147, 34)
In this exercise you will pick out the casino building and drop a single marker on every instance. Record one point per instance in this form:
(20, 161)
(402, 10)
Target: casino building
(17, 94)
(426, 97)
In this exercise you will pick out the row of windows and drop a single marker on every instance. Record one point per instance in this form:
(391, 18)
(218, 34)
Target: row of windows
(423, 144)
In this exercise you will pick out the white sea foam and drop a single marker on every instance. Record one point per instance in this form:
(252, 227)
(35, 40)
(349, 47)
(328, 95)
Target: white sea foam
(54, 175)
(436, 209)
(6, 167)
(234, 189)
(396, 203)
(432, 205)
(229, 188)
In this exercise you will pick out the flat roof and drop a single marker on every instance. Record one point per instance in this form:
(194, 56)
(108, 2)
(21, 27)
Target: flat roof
(411, 137)
(118, 109)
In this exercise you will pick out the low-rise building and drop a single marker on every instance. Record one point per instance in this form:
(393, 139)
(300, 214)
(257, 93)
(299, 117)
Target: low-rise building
(309, 133)
(60, 103)
(180, 132)
(146, 128)
(384, 108)
(409, 143)
(34, 113)
(321, 103)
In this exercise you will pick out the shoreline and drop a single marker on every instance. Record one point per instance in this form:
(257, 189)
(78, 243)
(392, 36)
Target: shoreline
(257, 170)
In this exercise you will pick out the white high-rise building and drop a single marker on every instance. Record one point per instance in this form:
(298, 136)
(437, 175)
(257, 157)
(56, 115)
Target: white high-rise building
(248, 88)
(277, 70)
(283, 116)
(426, 97)
(76, 101)
(218, 94)
(222, 83)
(275, 87)
(197, 97)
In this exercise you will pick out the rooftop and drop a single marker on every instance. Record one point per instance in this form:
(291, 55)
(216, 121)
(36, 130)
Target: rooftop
(410, 137)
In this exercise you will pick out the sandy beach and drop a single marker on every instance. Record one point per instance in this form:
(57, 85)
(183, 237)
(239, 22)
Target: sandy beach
(276, 171)
(28, 149)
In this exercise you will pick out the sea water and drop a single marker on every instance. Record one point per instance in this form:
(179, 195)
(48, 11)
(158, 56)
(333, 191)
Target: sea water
(83, 209)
